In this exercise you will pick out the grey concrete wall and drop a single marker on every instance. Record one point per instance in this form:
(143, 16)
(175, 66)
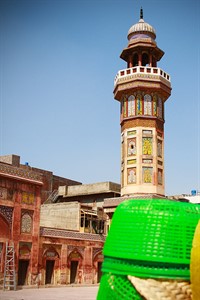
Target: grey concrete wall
(61, 215)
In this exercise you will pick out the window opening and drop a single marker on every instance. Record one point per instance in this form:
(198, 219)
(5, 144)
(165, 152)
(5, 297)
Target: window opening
(135, 60)
(145, 59)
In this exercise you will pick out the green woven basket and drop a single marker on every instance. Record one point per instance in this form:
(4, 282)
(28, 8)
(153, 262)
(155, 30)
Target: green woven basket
(151, 238)
(116, 287)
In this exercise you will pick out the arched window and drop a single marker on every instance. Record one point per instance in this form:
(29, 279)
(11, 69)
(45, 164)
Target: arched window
(139, 104)
(135, 60)
(160, 108)
(125, 106)
(155, 105)
(131, 106)
(147, 105)
(145, 59)
(26, 223)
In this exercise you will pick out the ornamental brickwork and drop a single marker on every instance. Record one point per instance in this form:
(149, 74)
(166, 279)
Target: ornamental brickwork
(127, 124)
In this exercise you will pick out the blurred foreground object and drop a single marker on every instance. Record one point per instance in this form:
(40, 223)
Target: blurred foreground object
(148, 238)
(195, 264)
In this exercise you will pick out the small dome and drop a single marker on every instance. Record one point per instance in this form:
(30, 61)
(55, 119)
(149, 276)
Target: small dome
(142, 28)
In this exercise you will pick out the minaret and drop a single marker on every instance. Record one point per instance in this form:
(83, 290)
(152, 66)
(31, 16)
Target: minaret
(142, 89)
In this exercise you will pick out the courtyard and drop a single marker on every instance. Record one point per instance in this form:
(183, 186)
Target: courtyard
(52, 293)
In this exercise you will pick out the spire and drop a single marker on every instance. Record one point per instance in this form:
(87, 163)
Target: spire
(141, 13)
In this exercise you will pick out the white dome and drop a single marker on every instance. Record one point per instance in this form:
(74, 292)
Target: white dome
(141, 27)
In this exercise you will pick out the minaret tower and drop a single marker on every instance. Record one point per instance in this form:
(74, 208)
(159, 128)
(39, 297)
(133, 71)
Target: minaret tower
(142, 89)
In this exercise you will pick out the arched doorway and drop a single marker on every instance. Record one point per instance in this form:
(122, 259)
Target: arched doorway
(23, 271)
(51, 259)
(98, 260)
(75, 260)
(24, 262)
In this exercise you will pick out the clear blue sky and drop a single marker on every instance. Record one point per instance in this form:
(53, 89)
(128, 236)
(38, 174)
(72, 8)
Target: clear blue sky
(58, 60)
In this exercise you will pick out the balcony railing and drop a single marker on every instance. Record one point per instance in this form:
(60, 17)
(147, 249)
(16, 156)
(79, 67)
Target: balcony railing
(141, 70)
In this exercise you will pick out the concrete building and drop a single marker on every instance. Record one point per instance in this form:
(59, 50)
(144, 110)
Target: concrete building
(194, 197)
(72, 234)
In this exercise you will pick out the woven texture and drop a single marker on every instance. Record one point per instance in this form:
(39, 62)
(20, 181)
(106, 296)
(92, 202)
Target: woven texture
(145, 269)
(151, 238)
(116, 287)
(152, 289)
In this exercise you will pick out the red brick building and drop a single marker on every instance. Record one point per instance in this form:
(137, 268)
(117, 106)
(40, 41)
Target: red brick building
(57, 225)
(20, 200)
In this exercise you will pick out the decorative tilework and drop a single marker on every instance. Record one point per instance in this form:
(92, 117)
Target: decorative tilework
(146, 132)
(44, 231)
(147, 173)
(131, 132)
(147, 105)
(96, 251)
(51, 253)
(131, 106)
(25, 249)
(26, 174)
(131, 161)
(131, 150)
(26, 223)
(131, 175)
(71, 249)
(147, 161)
(6, 194)
(7, 212)
(28, 198)
(147, 146)
(3, 193)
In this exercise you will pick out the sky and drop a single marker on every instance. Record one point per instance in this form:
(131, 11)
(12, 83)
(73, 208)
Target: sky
(58, 60)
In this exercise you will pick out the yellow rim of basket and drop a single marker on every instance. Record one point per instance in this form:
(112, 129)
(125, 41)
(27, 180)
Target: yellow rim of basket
(195, 264)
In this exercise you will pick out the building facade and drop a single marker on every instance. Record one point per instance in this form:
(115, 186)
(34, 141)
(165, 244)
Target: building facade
(57, 230)
(72, 234)
(20, 200)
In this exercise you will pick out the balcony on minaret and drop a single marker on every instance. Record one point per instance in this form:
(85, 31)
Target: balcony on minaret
(141, 76)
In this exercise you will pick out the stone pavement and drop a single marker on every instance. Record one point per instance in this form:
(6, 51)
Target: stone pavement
(52, 293)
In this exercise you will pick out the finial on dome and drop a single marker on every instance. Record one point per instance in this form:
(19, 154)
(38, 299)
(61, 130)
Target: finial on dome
(141, 13)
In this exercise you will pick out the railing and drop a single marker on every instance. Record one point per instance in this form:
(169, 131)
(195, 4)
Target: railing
(52, 197)
(141, 70)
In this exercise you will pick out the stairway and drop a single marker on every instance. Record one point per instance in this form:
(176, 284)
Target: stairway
(52, 197)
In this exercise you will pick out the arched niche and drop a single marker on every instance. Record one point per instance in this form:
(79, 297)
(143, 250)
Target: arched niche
(4, 228)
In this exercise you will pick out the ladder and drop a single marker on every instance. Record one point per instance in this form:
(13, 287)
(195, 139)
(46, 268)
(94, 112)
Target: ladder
(9, 268)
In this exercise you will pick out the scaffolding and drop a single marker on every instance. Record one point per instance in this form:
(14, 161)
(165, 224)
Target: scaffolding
(9, 268)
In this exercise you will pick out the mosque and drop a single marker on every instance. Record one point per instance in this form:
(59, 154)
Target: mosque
(52, 229)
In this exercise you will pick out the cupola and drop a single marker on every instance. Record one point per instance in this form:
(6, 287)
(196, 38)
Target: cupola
(142, 48)
(141, 29)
